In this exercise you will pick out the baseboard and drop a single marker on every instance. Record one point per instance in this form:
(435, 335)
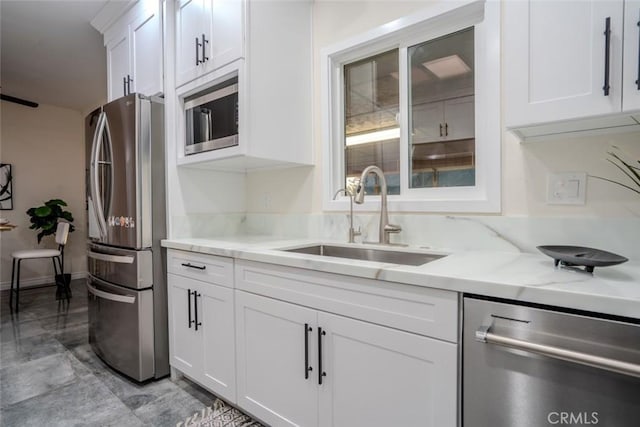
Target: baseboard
(39, 281)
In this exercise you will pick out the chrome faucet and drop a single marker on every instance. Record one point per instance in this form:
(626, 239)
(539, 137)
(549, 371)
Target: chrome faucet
(352, 232)
(385, 228)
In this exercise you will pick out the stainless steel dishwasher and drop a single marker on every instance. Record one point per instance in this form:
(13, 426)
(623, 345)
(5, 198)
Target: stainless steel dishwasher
(533, 366)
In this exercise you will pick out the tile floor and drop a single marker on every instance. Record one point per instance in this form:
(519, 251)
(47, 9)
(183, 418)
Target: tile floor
(50, 376)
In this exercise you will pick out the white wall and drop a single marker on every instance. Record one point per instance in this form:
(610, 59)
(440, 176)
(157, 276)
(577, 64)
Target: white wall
(525, 166)
(45, 147)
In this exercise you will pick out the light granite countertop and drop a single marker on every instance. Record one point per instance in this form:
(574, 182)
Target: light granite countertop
(512, 275)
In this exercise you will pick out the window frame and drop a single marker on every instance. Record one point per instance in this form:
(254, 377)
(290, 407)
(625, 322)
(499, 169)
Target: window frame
(431, 23)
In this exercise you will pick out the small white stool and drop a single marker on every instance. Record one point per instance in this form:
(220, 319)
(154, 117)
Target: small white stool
(55, 254)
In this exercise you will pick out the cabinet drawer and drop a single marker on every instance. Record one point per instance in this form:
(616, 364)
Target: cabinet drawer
(425, 311)
(208, 268)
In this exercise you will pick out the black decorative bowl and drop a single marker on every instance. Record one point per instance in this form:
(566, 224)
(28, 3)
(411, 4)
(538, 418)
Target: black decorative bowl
(578, 256)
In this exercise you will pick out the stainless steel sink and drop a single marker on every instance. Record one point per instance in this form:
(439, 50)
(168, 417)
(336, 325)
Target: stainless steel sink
(368, 254)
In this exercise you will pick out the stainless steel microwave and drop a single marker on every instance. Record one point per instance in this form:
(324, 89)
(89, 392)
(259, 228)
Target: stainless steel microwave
(211, 118)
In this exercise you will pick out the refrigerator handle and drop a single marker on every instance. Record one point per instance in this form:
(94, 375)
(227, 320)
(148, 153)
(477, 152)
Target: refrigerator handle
(111, 297)
(109, 164)
(110, 258)
(96, 148)
(93, 168)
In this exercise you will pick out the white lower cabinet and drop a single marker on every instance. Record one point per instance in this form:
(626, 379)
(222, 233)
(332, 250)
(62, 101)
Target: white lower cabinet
(186, 342)
(271, 348)
(202, 335)
(305, 367)
(378, 376)
(296, 347)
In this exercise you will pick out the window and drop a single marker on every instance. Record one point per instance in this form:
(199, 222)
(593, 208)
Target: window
(422, 102)
(441, 112)
(372, 135)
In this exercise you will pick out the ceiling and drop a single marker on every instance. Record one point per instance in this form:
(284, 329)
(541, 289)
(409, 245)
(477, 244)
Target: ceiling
(51, 54)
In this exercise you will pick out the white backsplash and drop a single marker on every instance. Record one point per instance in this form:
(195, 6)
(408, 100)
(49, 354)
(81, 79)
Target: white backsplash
(208, 225)
(438, 232)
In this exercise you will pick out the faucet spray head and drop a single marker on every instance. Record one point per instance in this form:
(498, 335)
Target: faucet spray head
(359, 197)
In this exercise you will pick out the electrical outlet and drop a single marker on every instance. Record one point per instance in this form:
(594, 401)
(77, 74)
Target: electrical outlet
(266, 201)
(567, 188)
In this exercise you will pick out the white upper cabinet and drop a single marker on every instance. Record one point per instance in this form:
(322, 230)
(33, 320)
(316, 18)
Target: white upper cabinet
(146, 52)
(209, 34)
(560, 61)
(190, 26)
(265, 47)
(631, 72)
(118, 66)
(448, 120)
(134, 52)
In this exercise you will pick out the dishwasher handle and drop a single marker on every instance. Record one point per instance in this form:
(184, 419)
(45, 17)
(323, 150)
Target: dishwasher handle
(484, 334)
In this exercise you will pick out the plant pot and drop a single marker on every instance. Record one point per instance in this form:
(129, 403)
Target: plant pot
(63, 286)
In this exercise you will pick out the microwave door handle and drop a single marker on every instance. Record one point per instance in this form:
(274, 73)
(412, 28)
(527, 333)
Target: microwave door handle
(209, 125)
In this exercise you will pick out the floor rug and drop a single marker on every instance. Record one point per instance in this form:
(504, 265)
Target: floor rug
(220, 415)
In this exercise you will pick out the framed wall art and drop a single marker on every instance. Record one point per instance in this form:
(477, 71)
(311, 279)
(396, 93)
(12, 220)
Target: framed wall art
(6, 187)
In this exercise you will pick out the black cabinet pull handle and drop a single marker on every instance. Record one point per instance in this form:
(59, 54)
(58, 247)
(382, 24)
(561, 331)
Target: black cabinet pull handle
(198, 52)
(124, 86)
(440, 129)
(129, 80)
(321, 373)
(307, 368)
(446, 129)
(607, 54)
(638, 81)
(195, 308)
(204, 53)
(189, 304)
(197, 267)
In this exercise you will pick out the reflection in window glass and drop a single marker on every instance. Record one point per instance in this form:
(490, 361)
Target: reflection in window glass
(372, 134)
(441, 107)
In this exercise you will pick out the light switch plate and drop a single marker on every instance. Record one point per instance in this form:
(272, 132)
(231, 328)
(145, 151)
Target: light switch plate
(567, 188)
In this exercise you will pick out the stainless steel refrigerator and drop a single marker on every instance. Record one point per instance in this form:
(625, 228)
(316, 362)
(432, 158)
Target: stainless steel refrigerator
(126, 221)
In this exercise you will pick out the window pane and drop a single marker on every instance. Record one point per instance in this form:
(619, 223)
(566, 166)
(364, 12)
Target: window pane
(372, 135)
(442, 112)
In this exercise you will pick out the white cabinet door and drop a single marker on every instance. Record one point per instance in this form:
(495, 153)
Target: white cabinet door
(191, 24)
(271, 360)
(226, 41)
(221, 23)
(631, 63)
(448, 120)
(555, 60)
(185, 341)
(459, 118)
(146, 52)
(428, 122)
(118, 61)
(219, 367)
(377, 376)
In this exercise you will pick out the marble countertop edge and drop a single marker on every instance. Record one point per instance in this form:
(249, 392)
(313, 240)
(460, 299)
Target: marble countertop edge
(509, 275)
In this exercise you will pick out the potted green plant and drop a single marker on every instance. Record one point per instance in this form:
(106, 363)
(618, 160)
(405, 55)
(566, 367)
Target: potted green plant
(45, 220)
(629, 167)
